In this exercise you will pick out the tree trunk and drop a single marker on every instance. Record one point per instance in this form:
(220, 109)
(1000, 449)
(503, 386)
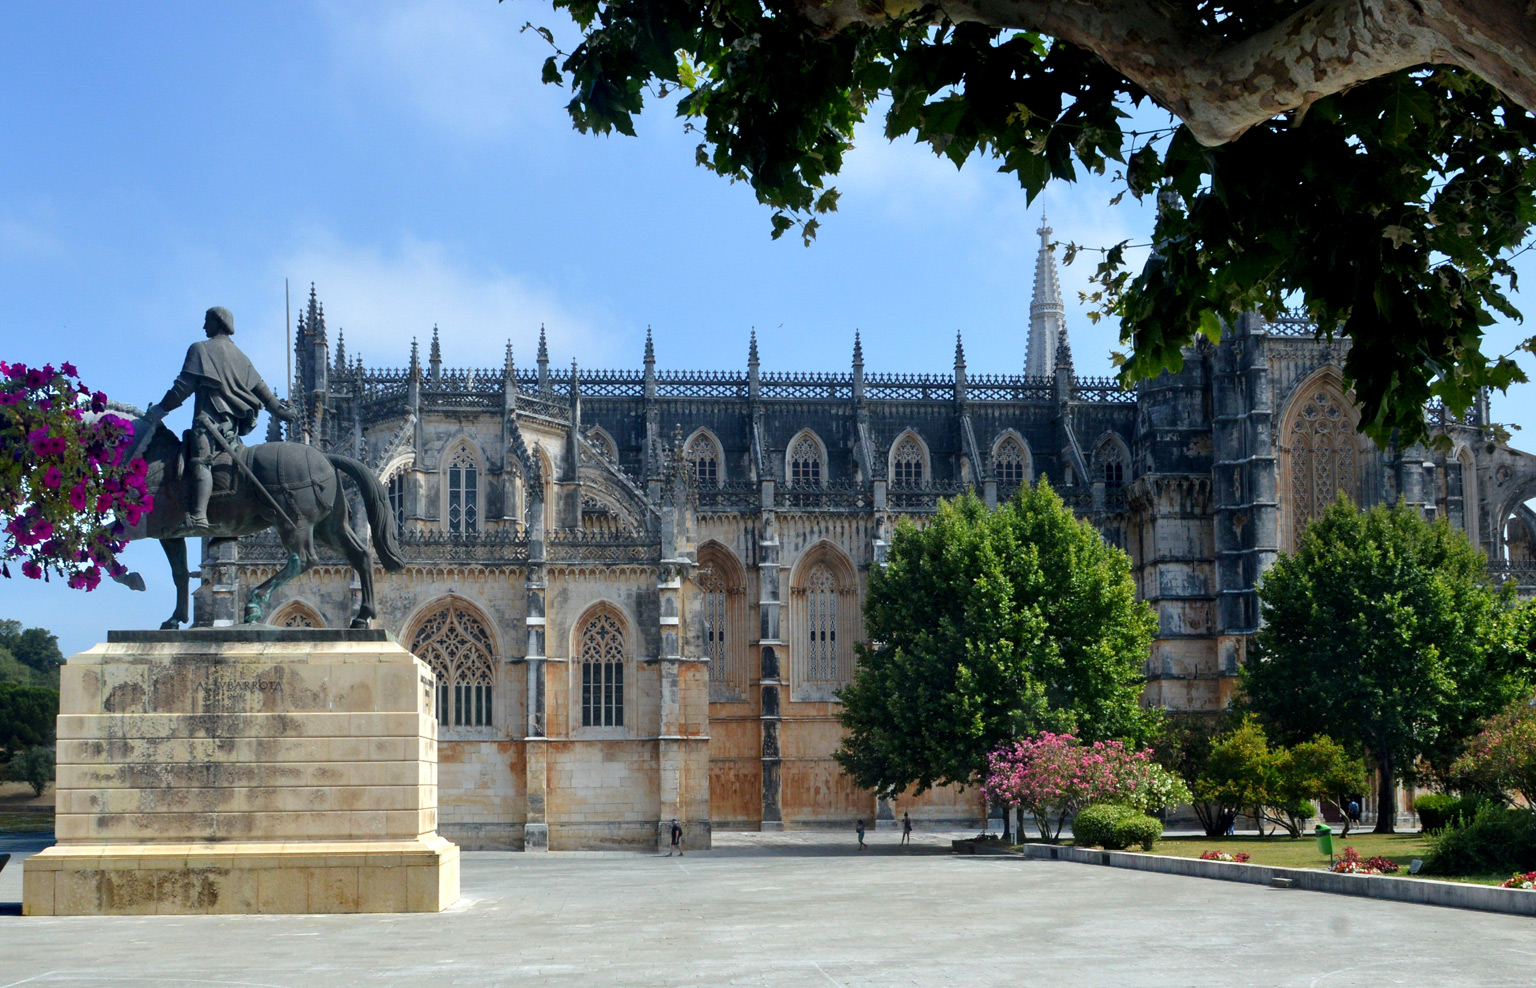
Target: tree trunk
(1386, 797)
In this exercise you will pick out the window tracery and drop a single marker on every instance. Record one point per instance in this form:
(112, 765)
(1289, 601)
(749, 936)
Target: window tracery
(1008, 463)
(1324, 457)
(704, 460)
(602, 672)
(456, 646)
(463, 492)
(805, 462)
(907, 462)
(396, 491)
(821, 624)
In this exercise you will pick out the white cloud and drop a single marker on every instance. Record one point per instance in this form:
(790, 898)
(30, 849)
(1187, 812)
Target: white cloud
(383, 298)
(465, 68)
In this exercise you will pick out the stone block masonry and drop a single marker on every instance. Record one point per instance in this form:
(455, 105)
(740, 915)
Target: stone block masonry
(240, 770)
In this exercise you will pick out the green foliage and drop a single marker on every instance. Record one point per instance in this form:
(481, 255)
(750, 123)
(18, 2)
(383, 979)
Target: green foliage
(1496, 839)
(1239, 774)
(12, 671)
(1182, 743)
(1115, 827)
(1502, 757)
(990, 625)
(1317, 769)
(27, 715)
(1382, 631)
(1391, 209)
(36, 648)
(1438, 810)
(34, 767)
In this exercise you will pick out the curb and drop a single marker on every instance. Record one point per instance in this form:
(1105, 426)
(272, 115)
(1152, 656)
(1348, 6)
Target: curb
(1453, 895)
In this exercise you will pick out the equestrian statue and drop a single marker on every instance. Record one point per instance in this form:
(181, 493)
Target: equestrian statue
(210, 484)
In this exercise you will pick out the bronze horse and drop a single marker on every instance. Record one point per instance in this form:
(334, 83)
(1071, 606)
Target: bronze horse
(304, 482)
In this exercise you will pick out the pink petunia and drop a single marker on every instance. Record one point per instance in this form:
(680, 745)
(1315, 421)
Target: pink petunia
(52, 477)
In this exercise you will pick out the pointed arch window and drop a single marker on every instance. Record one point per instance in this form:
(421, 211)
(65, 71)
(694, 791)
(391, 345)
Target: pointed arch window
(1114, 474)
(821, 624)
(298, 615)
(722, 603)
(907, 462)
(396, 491)
(1009, 462)
(704, 460)
(463, 492)
(1322, 459)
(805, 462)
(456, 646)
(602, 672)
(603, 444)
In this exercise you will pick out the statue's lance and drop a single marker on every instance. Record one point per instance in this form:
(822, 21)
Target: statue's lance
(212, 430)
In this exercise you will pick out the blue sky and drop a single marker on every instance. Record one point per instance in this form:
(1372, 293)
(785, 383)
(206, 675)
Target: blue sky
(160, 158)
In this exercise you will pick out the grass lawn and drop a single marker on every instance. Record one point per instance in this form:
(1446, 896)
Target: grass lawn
(1288, 852)
(25, 823)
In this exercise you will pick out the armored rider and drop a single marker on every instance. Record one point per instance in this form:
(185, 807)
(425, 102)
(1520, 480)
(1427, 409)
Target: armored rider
(227, 396)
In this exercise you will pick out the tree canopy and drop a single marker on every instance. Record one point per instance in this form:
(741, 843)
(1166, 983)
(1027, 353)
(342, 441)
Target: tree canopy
(987, 626)
(1383, 633)
(1371, 159)
(37, 648)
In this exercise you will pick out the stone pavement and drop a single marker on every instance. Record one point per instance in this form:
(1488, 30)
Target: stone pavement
(795, 909)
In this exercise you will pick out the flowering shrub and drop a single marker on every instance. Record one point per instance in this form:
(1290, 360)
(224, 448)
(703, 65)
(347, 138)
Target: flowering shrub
(1526, 881)
(1054, 776)
(1115, 827)
(1502, 757)
(66, 495)
(1240, 857)
(1350, 863)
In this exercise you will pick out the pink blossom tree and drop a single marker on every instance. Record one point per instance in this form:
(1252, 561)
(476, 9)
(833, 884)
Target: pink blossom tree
(1502, 756)
(66, 494)
(1053, 776)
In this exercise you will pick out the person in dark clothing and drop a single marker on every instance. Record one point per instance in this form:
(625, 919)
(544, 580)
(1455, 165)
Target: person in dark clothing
(906, 827)
(860, 830)
(227, 394)
(677, 838)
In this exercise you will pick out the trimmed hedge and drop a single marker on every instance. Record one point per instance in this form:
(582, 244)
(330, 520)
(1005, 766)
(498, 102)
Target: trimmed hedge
(1115, 828)
(1437, 810)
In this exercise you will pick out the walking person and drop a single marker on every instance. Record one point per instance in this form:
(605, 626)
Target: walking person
(906, 828)
(677, 839)
(859, 829)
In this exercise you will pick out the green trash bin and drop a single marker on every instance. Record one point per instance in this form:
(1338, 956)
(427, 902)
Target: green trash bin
(1325, 840)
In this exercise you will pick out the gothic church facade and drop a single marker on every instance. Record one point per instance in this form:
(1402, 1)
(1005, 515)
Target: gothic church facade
(640, 590)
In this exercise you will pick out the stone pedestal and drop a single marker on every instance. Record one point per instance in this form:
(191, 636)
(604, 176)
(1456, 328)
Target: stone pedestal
(245, 770)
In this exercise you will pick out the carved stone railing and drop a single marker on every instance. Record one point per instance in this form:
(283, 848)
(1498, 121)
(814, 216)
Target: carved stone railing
(1521, 574)
(910, 387)
(922, 499)
(498, 547)
(830, 497)
(701, 384)
(733, 495)
(1101, 390)
(792, 385)
(571, 545)
(1009, 387)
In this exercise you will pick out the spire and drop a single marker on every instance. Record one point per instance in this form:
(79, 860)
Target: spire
(543, 362)
(959, 352)
(1047, 314)
(754, 378)
(1063, 350)
(858, 368)
(858, 350)
(435, 358)
(508, 369)
(415, 359)
(650, 348)
(341, 350)
(752, 360)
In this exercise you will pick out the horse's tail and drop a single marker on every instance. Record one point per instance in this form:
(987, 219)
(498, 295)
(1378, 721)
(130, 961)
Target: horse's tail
(376, 503)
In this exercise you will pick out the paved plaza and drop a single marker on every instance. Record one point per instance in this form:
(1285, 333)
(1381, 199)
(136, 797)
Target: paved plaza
(798, 909)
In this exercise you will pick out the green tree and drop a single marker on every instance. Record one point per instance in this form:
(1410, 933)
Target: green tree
(27, 716)
(1373, 158)
(1239, 775)
(986, 626)
(37, 648)
(1317, 769)
(1183, 744)
(35, 767)
(1383, 633)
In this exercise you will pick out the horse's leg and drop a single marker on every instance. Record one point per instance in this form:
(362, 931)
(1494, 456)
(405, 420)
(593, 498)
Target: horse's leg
(256, 605)
(176, 555)
(336, 532)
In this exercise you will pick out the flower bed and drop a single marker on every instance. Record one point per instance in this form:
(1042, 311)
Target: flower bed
(1240, 857)
(1350, 863)
(1526, 881)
